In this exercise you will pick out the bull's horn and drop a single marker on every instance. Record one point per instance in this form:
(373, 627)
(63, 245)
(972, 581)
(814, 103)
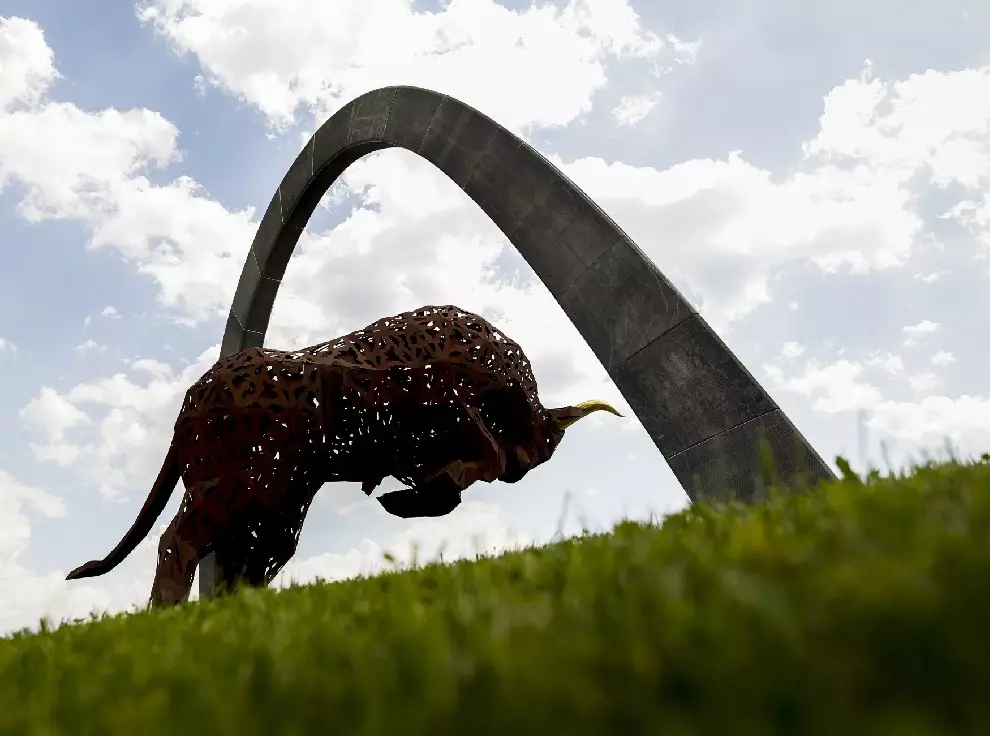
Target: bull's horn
(565, 416)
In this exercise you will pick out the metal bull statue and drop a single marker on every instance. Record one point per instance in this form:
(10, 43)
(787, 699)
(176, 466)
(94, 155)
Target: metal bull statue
(437, 398)
(333, 407)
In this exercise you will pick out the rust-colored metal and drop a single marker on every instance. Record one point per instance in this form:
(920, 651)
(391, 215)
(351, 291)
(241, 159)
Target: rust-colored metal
(437, 398)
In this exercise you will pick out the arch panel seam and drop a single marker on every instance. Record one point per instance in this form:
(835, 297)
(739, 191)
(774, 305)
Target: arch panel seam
(719, 434)
(419, 148)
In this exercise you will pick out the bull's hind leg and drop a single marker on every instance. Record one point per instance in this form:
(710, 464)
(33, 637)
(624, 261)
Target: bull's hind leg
(205, 510)
(177, 560)
(252, 553)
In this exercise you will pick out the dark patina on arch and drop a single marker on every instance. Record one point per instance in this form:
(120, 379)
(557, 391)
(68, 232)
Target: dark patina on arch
(704, 410)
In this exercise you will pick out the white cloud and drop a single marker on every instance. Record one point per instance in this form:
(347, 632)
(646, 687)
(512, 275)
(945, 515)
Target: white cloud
(50, 596)
(891, 363)
(925, 327)
(60, 453)
(88, 346)
(734, 225)
(6, 346)
(926, 424)
(836, 387)
(918, 426)
(633, 109)
(924, 381)
(154, 368)
(128, 423)
(916, 332)
(472, 529)
(943, 358)
(974, 214)
(92, 167)
(27, 64)
(110, 312)
(52, 415)
(936, 123)
(935, 120)
(16, 500)
(931, 278)
(283, 55)
(791, 350)
(73, 163)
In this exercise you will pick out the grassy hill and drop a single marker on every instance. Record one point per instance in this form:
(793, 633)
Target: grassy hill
(860, 608)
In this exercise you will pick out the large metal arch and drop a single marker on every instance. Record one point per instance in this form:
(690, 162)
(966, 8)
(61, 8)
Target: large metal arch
(704, 410)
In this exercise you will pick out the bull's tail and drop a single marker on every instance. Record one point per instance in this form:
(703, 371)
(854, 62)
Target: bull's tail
(161, 491)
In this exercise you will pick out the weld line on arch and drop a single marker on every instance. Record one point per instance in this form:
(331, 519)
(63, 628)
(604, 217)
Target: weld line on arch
(419, 148)
(476, 164)
(720, 433)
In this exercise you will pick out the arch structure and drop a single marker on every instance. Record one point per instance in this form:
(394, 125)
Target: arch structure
(706, 413)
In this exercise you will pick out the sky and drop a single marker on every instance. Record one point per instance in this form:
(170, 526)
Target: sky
(814, 177)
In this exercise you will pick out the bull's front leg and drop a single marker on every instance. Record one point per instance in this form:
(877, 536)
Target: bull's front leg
(436, 498)
(481, 458)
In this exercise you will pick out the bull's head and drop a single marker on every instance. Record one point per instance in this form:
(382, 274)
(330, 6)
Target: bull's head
(440, 496)
(523, 459)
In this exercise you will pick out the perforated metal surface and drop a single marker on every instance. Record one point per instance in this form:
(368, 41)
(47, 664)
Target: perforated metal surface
(437, 398)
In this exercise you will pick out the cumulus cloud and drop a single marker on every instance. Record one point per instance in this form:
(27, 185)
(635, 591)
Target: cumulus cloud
(791, 350)
(928, 423)
(475, 528)
(931, 278)
(916, 332)
(936, 124)
(73, 162)
(52, 415)
(26, 61)
(924, 381)
(891, 363)
(129, 419)
(17, 500)
(633, 109)
(935, 120)
(93, 167)
(733, 224)
(918, 426)
(34, 595)
(283, 55)
(88, 346)
(943, 358)
(835, 387)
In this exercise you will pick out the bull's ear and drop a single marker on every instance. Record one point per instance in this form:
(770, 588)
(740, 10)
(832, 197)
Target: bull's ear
(565, 416)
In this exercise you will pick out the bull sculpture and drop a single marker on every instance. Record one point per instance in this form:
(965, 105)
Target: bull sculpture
(437, 398)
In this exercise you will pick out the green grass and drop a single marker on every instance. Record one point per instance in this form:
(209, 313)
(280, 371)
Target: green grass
(862, 608)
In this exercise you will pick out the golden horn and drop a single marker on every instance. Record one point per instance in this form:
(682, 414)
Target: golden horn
(565, 417)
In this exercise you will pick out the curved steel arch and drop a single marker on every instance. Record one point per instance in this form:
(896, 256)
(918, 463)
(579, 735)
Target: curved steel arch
(705, 412)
